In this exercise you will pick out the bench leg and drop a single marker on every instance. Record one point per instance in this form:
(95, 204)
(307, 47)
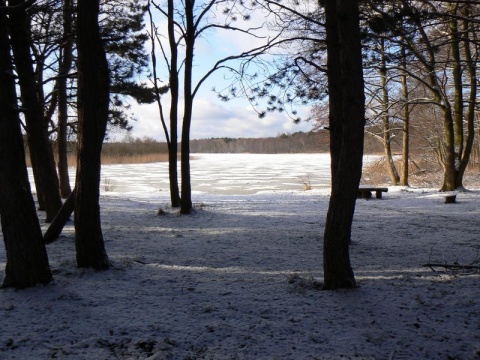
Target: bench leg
(378, 194)
(364, 194)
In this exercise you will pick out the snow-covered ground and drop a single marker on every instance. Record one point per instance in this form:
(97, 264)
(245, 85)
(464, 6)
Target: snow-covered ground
(238, 279)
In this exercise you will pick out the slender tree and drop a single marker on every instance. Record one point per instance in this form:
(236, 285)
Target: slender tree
(171, 135)
(406, 118)
(190, 34)
(27, 261)
(174, 96)
(93, 100)
(41, 151)
(66, 63)
(187, 23)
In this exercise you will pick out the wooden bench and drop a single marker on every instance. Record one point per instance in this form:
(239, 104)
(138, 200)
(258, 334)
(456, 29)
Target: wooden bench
(365, 191)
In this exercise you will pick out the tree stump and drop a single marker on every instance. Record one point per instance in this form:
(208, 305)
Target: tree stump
(451, 199)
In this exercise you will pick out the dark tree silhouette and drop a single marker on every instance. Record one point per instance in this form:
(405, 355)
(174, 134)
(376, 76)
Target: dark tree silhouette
(65, 65)
(93, 100)
(41, 152)
(27, 261)
(347, 120)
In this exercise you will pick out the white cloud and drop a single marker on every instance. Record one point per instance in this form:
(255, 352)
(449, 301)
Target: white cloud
(214, 118)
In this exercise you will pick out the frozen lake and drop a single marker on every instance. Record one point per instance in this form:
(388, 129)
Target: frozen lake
(224, 174)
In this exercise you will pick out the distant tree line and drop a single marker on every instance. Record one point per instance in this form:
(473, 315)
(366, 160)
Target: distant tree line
(297, 142)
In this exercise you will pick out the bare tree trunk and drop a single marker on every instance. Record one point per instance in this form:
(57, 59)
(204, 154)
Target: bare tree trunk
(387, 138)
(41, 151)
(347, 121)
(449, 172)
(65, 66)
(406, 120)
(171, 138)
(471, 65)
(186, 197)
(27, 260)
(93, 101)
(458, 87)
(174, 89)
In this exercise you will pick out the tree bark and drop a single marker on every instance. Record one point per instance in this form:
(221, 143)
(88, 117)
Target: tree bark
(65, 66)
(172, 136)
(387, 138)
(186, 197)
(41, 151)
(458, 87)
(174, 89)
(471, 66)
(406, 120)
(27, 261)
(347, 120)
(449, 172)
(93, 101)
(57, 225)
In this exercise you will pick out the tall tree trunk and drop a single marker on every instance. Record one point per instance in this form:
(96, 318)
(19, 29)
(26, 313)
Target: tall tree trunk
(406, 119)
(174, 91)
(471, 65)
(347, 121)
(186, 197)
(387, 138)
(449, 172)
(173, 87)
(446, 151)
(93, 101)
(65, 66)
(27, 261)
(41, 151)
(458, 87)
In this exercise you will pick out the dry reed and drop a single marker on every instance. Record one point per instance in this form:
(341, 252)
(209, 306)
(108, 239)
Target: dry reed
(120, 159)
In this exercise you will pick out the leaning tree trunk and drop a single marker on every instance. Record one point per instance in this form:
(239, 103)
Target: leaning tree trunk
(27, 261)
(347, 120)
(41, 151)
(93, 101)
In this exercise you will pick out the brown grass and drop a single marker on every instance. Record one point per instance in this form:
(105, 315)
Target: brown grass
(134, 159)
(119, 159)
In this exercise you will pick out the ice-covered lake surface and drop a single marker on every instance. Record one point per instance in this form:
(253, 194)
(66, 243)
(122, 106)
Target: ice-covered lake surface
(226, 174)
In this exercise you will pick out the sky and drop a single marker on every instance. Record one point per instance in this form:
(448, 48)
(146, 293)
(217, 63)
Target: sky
(214, 118)
(211, 116)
